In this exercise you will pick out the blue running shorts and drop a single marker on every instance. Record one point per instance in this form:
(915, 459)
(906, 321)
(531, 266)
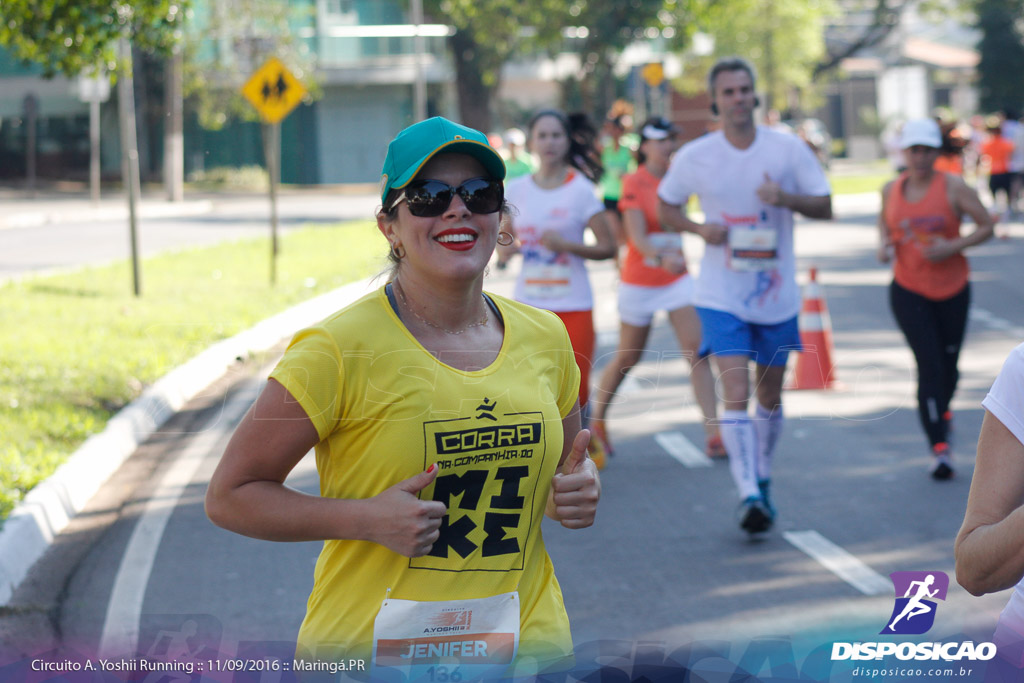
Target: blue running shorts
(723, 334)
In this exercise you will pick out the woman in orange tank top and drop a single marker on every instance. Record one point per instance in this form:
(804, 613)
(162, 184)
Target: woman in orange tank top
(919, 229)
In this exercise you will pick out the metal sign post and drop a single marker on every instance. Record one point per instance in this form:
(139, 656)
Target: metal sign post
(94, 90)
(274, 92)
(31, 108)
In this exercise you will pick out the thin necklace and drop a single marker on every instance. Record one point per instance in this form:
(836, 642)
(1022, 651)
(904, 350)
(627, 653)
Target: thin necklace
(401, 295)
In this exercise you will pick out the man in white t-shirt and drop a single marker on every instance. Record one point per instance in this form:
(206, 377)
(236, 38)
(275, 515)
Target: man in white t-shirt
(749, 180)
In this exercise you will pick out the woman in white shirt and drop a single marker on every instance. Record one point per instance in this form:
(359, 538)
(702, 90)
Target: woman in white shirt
(555, 205)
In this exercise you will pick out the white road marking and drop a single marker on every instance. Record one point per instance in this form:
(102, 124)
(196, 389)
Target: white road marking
(994, 322)
(839, 562)
(121, 627)
(680, 448)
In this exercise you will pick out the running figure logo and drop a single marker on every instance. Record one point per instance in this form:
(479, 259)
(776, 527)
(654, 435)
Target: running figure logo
(914, 612)
(487, 410)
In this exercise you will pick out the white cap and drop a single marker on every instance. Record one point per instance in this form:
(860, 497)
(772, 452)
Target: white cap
(514, 136)
(920, 132)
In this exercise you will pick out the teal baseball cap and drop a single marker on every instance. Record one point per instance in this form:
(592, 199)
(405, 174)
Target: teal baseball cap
(415, 146)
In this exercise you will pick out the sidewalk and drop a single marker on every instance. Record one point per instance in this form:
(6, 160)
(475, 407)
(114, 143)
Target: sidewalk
(54, 206)
(49, 207)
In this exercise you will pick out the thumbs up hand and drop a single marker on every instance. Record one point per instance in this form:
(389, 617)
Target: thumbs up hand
(400, 521)
(576, 488)
(770, 192)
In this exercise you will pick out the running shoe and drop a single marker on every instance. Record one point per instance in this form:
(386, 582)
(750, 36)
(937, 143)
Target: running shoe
(714, 448)
(755, 517)
(764, 485)
(598, 433)
(942, 462)
(597, 454)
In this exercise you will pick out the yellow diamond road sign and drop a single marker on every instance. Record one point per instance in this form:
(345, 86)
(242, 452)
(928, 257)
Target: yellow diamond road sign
(653, 73)
(273, 90)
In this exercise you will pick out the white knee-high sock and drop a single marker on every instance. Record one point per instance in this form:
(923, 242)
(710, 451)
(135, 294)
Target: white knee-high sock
(740, 441)
(768, 426)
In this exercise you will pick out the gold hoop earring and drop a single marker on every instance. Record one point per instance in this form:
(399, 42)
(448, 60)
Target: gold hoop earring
(398, 256)
(507, 236)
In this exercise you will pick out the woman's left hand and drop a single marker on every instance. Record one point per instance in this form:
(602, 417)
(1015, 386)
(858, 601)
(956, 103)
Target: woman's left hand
(939, 249)
(553, 241)
(673, 263)
(576, 488)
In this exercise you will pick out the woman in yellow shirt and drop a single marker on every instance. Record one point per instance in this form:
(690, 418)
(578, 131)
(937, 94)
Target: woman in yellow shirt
(446, 424)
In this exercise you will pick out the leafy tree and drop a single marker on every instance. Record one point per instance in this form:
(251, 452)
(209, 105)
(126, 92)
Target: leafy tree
(72, 36)
(229, 40)
(1002, 54)
(488, 34)
(885, 16)
(75, 36)
(612, 25)
(784, 40)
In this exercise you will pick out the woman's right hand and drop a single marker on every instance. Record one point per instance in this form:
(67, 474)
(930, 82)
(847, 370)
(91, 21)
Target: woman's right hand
(673, 263)
(884, 253)
(714, 233)
(552, 240)
(402, 522)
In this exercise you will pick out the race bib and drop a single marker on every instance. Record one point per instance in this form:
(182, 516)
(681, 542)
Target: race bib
(546, 280)
(753, 249)
(666, 243)
(448, 640)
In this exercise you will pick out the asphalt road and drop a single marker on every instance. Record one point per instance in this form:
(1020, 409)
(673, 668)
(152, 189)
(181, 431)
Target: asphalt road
(91, 236)
(665, 569)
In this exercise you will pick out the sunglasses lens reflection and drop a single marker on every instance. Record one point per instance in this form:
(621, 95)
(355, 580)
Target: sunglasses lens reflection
(428, 198)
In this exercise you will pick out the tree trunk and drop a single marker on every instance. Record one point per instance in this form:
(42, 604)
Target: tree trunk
(473, 91)
(129, 157)
(174, 139)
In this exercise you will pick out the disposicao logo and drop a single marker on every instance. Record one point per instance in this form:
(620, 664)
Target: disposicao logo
(916, 593)
(914, 614)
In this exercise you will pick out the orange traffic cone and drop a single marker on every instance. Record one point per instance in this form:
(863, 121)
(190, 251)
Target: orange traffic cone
(814, 369)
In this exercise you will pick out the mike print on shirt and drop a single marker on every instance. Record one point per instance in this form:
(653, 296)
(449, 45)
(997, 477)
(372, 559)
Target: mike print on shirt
(490, 471)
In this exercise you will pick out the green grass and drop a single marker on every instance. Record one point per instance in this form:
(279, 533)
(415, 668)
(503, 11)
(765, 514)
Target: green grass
(858, 184)
(78, 347)
(868, 177)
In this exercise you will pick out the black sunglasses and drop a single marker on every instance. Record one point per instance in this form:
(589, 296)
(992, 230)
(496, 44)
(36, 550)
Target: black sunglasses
(429, 198)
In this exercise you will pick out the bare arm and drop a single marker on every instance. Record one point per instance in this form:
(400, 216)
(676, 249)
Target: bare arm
(963, 200)
(247, 493)
(885, 248)
(966, 201)
(636, 231)
(989, 550)
(812, 206)
(673, 216)
(576, 487)
(818, 207)
(600, 225)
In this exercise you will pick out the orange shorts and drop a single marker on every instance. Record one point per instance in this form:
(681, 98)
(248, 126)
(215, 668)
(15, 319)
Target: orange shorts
(580, 326)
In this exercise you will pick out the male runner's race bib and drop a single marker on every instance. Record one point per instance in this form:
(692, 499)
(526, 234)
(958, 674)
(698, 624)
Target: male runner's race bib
(447, 640)
(753, 249)
(546, 280)
(666, 243)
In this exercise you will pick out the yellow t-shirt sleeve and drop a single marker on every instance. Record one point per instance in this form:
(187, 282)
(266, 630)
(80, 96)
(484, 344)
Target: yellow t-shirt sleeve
(312, 372)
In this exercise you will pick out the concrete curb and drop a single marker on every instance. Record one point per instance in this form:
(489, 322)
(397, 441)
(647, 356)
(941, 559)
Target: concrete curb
(107, 212)
(50, 506)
